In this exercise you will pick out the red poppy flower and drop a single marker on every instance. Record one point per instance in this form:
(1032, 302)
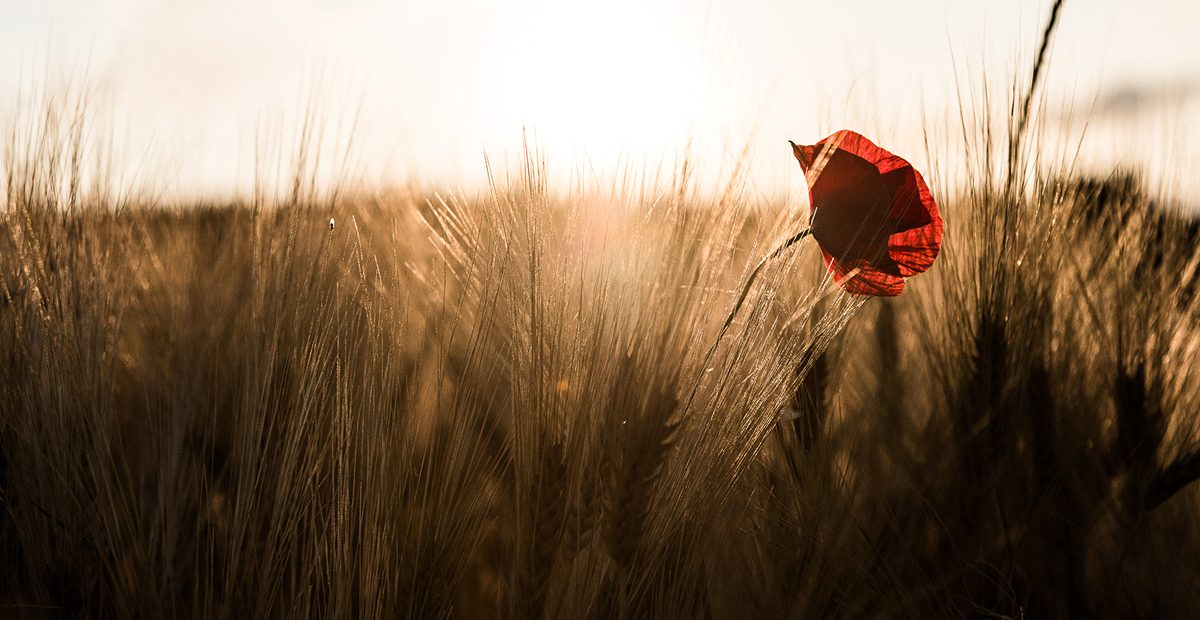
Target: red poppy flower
(872, 214)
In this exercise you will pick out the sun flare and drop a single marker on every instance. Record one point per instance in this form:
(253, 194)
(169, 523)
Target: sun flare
(602, 82)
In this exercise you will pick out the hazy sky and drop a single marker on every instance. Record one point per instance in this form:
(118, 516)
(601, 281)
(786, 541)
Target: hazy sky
(190, 87)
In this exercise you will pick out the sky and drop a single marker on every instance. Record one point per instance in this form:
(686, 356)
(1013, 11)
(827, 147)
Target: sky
(193, 94)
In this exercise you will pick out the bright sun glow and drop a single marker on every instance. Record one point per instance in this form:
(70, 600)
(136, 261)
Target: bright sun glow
(599, 82)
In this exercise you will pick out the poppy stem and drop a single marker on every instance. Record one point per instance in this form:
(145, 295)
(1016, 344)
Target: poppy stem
(793, 240)
(754, 274)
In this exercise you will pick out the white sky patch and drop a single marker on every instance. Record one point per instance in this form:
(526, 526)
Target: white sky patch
(191, 88)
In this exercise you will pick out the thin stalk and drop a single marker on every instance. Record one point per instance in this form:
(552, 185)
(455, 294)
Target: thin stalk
(754, 274)
(793, 240)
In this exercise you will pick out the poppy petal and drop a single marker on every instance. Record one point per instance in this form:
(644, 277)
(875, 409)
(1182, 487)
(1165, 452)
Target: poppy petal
(871, 212)
(804, 154)
(860, 279)
(916, 239)
(856, 143)
(850, 209)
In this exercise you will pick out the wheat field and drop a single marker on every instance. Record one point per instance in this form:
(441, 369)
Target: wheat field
(522, 403)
